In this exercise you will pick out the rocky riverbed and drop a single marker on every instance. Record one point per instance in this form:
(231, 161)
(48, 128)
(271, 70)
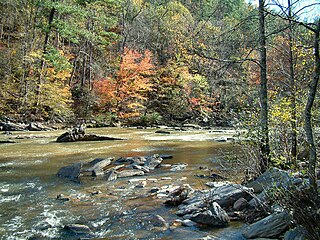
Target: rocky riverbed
(131, 189)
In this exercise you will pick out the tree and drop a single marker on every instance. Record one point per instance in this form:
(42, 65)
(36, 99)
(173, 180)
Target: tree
(264, 142)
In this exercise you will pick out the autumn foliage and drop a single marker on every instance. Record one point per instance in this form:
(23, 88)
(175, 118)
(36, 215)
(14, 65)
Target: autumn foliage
(125, 93)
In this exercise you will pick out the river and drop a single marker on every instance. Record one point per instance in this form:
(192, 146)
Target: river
(29, 186)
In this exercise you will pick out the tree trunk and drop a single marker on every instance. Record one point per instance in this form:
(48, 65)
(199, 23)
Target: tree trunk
(264, 141)
(45, 46)
(308, 111)
(294, 141)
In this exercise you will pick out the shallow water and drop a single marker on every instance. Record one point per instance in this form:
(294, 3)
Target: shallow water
(28, 185)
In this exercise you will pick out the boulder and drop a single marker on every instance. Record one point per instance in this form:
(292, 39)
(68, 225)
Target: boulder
(240, 204)
(297, 233)
(176, 197)
(215, 216)
(272, 177)
(158, 221)
(111, 175)
(37, 127)
(153, 161)
(72, 135)
(130, 173)
(269, 227)
(71, 172)
(94, 137)
(78, 228)
(8, 126)
(99, 166)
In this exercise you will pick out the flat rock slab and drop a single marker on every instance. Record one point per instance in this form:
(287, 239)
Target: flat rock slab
(269, 227)
(130, 173)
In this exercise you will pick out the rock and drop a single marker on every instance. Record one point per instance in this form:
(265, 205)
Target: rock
(78, 228)
(12, 126)
(62, 197)
(130, 173)
(215, 216)
(194, 126)
(259, 200)
(166, 178)
(269, 227)
(188, 223)
(178, 195)
(142, 184)
(216, 177)
(158, 221)
(111, 175)
(37, 127)
(71, 172)
(153, 161)
(240, 204)
(72, 135)
(6, 141)
(164, 156)
(94, 137)
(98, 166)
(96, 192)
(178, 167)
(271, 178)
(297, 233)
(154, 190)
(162, 132)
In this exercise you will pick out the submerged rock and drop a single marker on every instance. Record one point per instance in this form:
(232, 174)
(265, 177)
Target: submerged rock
(269, 227)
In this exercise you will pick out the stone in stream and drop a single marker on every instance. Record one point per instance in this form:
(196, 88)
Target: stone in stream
(78, 228)
(269, 227)
(176, 197)
(71, 172)
(111, 175)
(6, 141)
(61, 197)
(178, 167)
(215, 216)
(162, 132)
(99, 166)
(153, 161)
(130, 173)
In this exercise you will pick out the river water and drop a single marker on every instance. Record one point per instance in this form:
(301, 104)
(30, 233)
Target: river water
(29, 186)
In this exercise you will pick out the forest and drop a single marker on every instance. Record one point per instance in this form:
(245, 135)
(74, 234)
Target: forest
(221, 63)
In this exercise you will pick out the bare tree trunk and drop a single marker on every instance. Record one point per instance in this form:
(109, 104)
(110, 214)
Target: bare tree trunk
(308, 111)
(294, 141)
(264, 141)
(45, 46)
